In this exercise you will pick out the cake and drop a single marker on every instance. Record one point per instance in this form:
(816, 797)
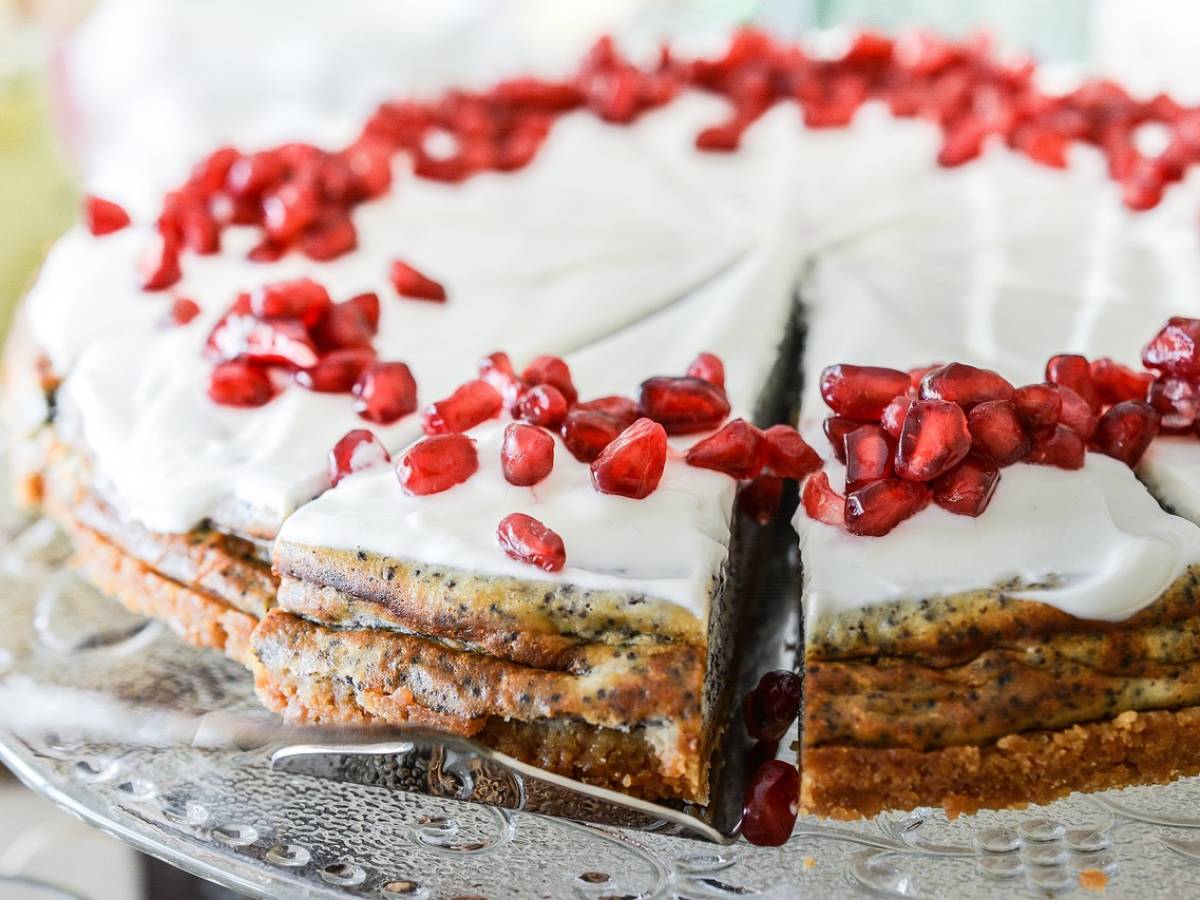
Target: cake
(587, 293)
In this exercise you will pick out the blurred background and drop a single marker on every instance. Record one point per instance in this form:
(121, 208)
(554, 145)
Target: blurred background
(119, 97)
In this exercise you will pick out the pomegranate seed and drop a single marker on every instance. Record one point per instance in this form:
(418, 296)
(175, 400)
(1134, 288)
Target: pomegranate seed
(385, 392)
(411, 283)
(527, 454)
(357, 450)
(283, 342)
(542, 405)
(533, 93)
(347, 325)
(249, 176)
(159, 264)
(723, 138)
(683, 405)
(210, 173)
(552, 371)
(1115, 382)
(183, 311)
(331, 235)
(1142, 188)
(1076, 414)
(917, 375)
(773, 705)
(964, 385)
(288, 210)
(758, 500)
(586, 432)
(771, 804)
(1038, 405)
(708, 367)
(1175, 349)
(623, 409)
(266, 251)
(868, 456)
(527, 540)
(821, 502)
(836, 428)
(1073, 371)
(497, 370)
(240, 383)
(966, 490)
(1126, 430)
(337, 371)
(199, 231)
(469, 405)
(876, 508)
(737, 450)
(934, 440)
(861, 392)
(632, 465)
(892, 418)
(367, 305)
(1062, 447)
(435, 464)
(301, 299)
(997, 433)
(103, 216)
(1176, 400)
(787, 454)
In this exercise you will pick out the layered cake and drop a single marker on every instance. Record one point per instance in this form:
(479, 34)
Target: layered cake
(461, 426)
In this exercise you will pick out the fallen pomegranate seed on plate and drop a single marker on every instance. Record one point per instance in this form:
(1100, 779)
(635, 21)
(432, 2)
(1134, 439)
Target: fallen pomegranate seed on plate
(526, 455)
(527, 540)
(632, 464)
(356, 451)
(773, 705)
(437, 463)
(771, 804)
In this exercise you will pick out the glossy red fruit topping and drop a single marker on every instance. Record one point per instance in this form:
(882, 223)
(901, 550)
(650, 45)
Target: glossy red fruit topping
(281, 342)
(934, 440)
(385, 392)
(1126, 430)
(358, 450)
(552, 371)
(469, 405)
(836, 428)
(411, 283)
(183, 311)
(1038, 405)
(1073, 371)
(542, 404)
(586, 432)
(1062, 447)
(497, 370)
(683, 405)
(964, 385)
(822, 502)
(331, 235)
(997, 433)
(708, 367)
(159, 264)
(623, 409)
(966, 490)
(632, 465)
(527, 454)
(1177, 400)
(351, 324)
(1175, 349)
(892, 418)
(868, 456)
(435, 464)
(240, 383)
(759, 498)
(917, 375)
(1115, 382)
(737, 450)
(527, 540)
(103, 216)
(301, 299)
(336, 372)
(1076, 414)
(879, 506)
(787, 454)
(861, 392)
(773, 705)
(771, 804)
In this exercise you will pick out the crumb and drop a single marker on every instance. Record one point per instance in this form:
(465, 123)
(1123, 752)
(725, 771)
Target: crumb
(809, 862)
(627, 781)
(1093, 880)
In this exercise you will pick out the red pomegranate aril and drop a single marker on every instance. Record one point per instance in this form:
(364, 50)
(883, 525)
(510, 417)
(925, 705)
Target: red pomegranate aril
(787, 454)
(1076, 414)
(876, 508)
(331, 235)
(526, 455)
(470, 404)
(632, 465)
(1038, 405)
(527, 540)
(861, 392)
(1115, 382)
(210, 173)
(103, 216)
(683, 405)
(822, 502)
(497, 370)
(773, 705)
(935, 439)
(737, 450)
(552, 371)
(758, 499)
(356, 451)
(964, 385)
(249, 176)
(1177, 400)
(966, 490)
(336, 372)
(183, 311)
(868, 456)
(771, 804)
(586, 432)
(1126, 430)
(542, 404)
(836, 428)
(283, 342)
(892, 418)
(1073, 371)
(997, 433)
(240, 383)
(415, 285)
(288, 210)
(1175, 349)
(385, 392)
(623, 409)
(438, 463)
(301, 299)
(159, 264)
(367, 305)
(351, 324)
(917, 375)
(708, 367)
(1062, 447)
